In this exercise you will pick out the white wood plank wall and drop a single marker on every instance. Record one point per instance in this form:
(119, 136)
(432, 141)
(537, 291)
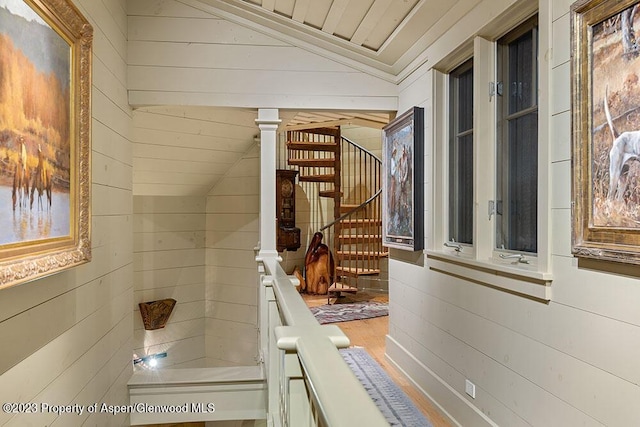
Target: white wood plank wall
(181, 154)
(68, 338)
(169, 233)
(181, 56)
(231, 274)
(184, 151)
(571, 362)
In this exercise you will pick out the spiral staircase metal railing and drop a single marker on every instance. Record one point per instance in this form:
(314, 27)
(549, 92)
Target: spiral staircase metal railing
(349, 175)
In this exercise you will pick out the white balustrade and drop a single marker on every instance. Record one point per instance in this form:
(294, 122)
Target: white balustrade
(309, 384)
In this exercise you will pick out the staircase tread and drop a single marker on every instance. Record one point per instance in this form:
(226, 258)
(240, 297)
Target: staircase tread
(329, 193)
(312, 146)
(327, 163)
(358, 271)
(317, 178)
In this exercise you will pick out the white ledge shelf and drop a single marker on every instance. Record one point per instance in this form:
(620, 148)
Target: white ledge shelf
(515, 279)
(197, 394)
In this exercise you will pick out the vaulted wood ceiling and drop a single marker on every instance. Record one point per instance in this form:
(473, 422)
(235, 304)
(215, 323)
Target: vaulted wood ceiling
(385, 37)
(367, 23)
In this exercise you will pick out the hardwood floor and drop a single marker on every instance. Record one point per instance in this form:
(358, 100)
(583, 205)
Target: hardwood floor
(370, 334)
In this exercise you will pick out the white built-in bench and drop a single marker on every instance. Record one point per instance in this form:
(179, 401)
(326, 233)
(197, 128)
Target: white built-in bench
(197, 394)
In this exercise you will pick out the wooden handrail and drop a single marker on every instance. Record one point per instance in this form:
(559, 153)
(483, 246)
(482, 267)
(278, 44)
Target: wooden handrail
(330, 394)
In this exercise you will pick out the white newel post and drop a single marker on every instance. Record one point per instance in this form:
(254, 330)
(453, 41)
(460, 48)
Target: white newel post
(268, 122)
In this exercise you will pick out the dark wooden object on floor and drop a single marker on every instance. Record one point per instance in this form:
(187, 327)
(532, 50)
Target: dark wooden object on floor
(318, 266)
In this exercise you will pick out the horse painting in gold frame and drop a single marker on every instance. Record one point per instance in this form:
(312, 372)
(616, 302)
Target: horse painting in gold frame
(45, 138)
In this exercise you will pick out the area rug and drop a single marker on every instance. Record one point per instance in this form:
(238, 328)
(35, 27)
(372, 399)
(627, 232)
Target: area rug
(394, 404)
(352, 311)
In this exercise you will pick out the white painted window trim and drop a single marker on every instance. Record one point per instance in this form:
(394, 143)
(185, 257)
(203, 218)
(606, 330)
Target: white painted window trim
(480, 262)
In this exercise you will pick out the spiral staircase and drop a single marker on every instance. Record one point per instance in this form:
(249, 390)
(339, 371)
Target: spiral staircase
(347, 176)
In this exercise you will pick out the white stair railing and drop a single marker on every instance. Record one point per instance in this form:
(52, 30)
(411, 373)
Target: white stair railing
(309, 384)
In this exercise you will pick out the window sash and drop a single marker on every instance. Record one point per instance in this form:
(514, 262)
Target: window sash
(517, 141)
(461, 171)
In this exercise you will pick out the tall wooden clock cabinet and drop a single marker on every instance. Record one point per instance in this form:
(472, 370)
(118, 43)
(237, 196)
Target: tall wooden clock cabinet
(288, 235)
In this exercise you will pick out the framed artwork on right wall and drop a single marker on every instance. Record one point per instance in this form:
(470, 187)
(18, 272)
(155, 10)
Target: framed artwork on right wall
(605, 69)
(402, 181)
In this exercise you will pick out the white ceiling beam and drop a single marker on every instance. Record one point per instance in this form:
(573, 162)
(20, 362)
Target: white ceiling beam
(333, 17)
(370, 21)
(300, 10)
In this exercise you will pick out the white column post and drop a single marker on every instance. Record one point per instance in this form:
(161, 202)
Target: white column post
(268, 122)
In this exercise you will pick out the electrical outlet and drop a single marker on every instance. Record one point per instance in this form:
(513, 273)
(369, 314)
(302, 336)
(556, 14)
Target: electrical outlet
(470, 388)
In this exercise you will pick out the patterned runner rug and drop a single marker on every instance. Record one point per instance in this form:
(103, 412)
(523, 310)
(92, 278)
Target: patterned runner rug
(394, 404)
(351, 311)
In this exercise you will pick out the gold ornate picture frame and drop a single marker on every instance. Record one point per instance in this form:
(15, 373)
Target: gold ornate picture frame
(45, 139)
(606, 123)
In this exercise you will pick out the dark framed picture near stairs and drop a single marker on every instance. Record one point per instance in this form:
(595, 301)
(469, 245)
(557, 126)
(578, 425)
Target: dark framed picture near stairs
(402, 178)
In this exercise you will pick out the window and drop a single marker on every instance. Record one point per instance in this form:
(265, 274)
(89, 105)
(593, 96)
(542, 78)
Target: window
(517, 140)
(461, 154)
(490, 182)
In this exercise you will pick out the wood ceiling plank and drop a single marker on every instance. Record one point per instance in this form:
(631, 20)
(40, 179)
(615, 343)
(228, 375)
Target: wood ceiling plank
(270, 5)
(351, 19)
(335, 13)
(317, 13)
(323, 115)
(371, 19)
(379, 118)
(313, 125)
(300, 10)
(355, 121)
(393, 18)
(285, 7)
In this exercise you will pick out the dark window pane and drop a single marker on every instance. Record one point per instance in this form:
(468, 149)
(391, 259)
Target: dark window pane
(464, 221)
(523, 183)
(465, 99)
(461, 154)
(517, 145)
(521, 74)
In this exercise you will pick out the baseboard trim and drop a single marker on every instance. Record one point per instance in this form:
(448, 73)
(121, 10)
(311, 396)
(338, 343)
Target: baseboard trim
(431, 385)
